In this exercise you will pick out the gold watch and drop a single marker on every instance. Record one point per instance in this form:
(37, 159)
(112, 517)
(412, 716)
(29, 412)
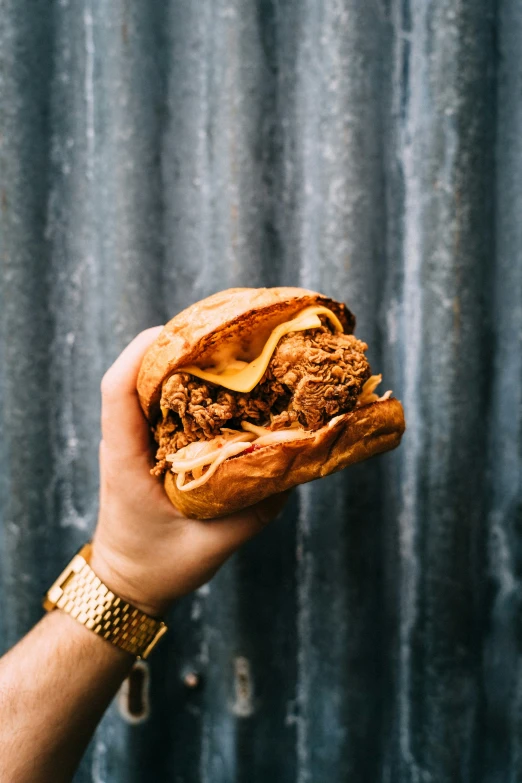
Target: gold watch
(80, 593)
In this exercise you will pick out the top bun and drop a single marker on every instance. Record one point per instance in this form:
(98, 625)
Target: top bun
(245, 315)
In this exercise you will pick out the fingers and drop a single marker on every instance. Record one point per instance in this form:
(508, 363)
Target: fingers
(124, 427)
(224, 536)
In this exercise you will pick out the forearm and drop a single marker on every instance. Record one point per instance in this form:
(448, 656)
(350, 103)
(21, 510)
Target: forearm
(54, 687)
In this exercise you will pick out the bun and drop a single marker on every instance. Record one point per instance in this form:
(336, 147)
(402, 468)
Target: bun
(248, 478)
(245, 316)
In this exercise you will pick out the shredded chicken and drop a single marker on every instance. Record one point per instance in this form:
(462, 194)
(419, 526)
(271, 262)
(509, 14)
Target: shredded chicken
(323, 372)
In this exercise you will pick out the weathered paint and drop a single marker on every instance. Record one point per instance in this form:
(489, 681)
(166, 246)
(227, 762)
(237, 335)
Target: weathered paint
(153, 153)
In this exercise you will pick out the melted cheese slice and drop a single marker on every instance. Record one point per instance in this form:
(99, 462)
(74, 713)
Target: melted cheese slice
(242, 376)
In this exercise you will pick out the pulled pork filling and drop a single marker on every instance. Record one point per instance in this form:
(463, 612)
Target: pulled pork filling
(313, 375)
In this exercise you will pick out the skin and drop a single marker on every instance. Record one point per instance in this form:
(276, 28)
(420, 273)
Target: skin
(56, 683)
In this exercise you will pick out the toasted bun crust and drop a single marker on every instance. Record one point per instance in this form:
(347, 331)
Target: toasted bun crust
(237, 314)
(249, 478)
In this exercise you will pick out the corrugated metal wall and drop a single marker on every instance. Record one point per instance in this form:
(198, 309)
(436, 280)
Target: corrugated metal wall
(152, 153)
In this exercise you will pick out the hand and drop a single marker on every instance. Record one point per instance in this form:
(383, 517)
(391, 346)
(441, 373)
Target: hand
(143, 548)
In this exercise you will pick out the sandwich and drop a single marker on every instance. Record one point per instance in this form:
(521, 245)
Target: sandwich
(255, 390)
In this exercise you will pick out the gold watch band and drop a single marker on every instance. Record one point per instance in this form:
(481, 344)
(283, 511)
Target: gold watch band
(80, 593)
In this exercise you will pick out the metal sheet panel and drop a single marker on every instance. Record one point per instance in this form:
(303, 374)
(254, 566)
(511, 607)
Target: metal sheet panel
(154, 153)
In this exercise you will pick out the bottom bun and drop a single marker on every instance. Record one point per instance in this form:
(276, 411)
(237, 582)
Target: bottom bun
(244, 480)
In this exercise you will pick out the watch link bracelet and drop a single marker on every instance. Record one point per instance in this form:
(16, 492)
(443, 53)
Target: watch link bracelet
(80, 593)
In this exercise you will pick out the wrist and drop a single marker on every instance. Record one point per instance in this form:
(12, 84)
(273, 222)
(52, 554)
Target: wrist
(79, 592)
(114, 574)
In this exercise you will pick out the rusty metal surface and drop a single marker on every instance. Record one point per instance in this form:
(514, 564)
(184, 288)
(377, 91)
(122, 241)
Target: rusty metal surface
(151, 154)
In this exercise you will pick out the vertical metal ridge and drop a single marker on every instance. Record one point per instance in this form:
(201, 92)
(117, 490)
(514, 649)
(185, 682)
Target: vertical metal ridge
(338, 245)
(214, 149)
(408, 42)
(442, 521)
(128, 208)
(25, 323)
(304, 566)
(124, 89)
(265, 653)
(501, 751)
(78, 354)
(219, 752)
(340, 64)
(186, 157)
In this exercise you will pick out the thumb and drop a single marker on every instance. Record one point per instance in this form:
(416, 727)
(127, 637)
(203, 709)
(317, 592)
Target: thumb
(124, 427)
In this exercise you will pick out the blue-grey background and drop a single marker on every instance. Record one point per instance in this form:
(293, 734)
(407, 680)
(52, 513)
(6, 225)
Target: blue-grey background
(153, 153)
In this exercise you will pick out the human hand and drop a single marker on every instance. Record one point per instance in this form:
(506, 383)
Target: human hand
(144, 549)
